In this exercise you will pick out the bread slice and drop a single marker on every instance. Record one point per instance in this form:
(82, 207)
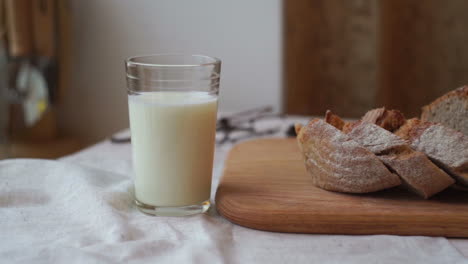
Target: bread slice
(335, 120)
(446, 147)
(418, 173)
(376, 139)
(338, 163)
(390, 120)
(373, 137)
(451, 110)
(339, 123)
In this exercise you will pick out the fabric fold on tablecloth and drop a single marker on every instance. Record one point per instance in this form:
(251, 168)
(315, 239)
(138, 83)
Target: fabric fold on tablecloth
(63, 212)
(49, 209)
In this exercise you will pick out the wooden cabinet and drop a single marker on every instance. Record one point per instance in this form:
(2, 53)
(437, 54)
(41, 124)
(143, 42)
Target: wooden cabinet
(352, 55)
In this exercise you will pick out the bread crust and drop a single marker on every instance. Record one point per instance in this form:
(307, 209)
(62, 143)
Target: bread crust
(461, 92)
(446, 147)
(390, 120)
(338, 163)
(378, 140)
(334, 120)
(418, 173)
(437, 110)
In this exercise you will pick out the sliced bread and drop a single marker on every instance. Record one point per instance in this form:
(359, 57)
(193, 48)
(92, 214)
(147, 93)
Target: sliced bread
(451, 110)
(417, 172)
(415, 169)
(446, 147)
(390, 120)
(338, 163)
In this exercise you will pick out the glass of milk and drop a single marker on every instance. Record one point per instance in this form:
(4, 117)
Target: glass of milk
(173, 100)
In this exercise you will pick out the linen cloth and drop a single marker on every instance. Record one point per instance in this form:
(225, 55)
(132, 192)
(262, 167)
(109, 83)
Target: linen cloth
(79, 209)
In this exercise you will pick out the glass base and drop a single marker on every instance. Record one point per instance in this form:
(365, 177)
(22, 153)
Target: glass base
(173, 210)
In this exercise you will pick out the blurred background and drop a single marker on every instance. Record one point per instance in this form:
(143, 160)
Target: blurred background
(62, 78)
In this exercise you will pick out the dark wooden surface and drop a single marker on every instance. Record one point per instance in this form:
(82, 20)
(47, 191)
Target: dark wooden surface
(352, 55)
(329, 49)
(423, 51)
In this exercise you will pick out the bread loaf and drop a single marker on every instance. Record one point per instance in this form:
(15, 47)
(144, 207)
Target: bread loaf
(451, 110)
(350, 156)
(338, 163)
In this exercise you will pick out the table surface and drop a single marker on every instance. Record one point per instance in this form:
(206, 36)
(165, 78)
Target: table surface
(78, 209)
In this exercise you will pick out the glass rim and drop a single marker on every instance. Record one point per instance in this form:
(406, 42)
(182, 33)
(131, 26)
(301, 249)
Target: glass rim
(131, 60)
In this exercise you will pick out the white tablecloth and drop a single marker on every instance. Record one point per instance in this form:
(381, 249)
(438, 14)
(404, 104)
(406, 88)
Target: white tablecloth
(78, 209)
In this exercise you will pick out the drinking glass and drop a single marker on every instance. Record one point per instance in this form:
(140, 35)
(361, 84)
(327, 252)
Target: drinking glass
(173, 102)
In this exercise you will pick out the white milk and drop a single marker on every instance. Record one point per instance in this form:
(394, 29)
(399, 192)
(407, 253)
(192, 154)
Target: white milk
(173, 136)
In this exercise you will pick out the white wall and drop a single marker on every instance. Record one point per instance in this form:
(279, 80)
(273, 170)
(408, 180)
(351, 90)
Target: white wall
(245, 35)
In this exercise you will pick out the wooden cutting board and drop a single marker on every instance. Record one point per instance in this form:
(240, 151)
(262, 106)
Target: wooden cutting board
(265, 186)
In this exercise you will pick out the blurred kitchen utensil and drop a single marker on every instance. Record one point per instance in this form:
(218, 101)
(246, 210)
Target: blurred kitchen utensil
(244, 122)
(27, 84)
(120, 140)
(239, 118)
(32, 85)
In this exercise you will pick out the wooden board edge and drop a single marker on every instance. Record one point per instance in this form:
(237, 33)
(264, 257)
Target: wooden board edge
(456, 229)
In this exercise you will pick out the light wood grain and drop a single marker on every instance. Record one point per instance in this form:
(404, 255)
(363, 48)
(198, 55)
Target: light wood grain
(265, 186)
